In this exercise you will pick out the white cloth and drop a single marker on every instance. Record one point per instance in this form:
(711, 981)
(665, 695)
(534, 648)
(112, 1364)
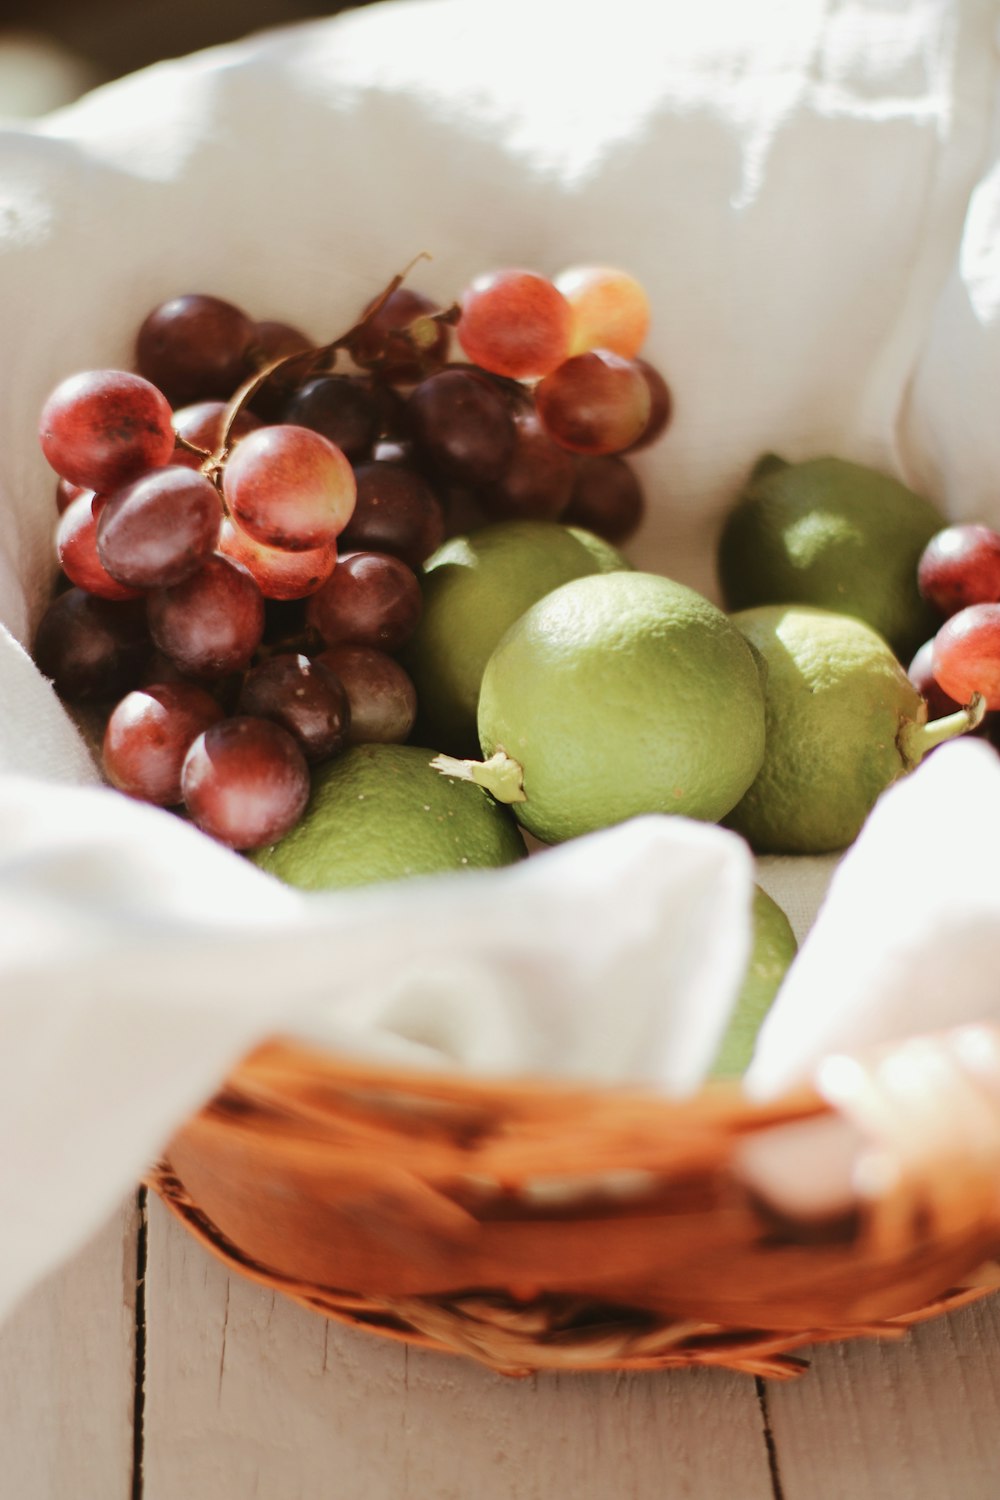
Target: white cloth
(790, 181)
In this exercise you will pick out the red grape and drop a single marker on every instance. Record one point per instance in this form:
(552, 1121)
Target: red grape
(289, 487)
(382, 697)
(396, 511)
(158, 529)
(102, 428)
(607, 498)
(921, 674)
(304, 697)
(66, 493)
(966, 657)
(196, 348)
(661, 406)
(76, 546)
(537, 482)
(515, 323)
(277, 573)
(245, 781)
(960, 566)
(371, 599)
(91, 648)
(212, 622)
(462, 426)
(203, 424)
(342, 408)
(148, 735)
(402, 339)
(594, 403)
(610, 309)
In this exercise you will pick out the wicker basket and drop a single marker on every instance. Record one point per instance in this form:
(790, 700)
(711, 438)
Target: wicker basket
(534, 1227)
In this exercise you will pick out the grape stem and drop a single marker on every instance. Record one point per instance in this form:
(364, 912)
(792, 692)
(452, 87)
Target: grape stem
(189, 447)
(501, 775)
(309, 360)
(915, 740)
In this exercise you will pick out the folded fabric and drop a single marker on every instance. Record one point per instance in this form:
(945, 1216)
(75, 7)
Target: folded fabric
(790, 182)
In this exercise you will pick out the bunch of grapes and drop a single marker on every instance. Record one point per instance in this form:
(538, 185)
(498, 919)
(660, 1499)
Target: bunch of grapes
(959, 576)
(242, 522)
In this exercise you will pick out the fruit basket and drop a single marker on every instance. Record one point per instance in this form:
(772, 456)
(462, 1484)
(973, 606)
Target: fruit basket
(531, 1222)
(538, 1228)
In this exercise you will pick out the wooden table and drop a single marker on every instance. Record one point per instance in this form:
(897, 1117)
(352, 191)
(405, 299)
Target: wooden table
(247, 1397)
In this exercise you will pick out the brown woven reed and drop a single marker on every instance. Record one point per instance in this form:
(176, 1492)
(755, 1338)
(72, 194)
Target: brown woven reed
(534, 1227)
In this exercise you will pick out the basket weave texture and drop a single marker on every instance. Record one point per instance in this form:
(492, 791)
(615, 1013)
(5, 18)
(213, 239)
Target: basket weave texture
(533, 1227)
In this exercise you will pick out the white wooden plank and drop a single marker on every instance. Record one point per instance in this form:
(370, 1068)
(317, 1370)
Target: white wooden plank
(248, 1395)
(67, 1376)
(915, 1420)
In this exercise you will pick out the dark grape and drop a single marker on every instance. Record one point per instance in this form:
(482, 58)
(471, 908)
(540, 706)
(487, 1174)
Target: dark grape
(402, 339)
(661, 406)
(91, 648)
(594, 403)
(371, 599)
(158, 529)
(538, 481)
(289, 487)
(76, 548)
(382, 697)
(462, 426)
(396, 511)
(278, 574)
(515, 323)
(610, 309)
(275, 340)
(102, 428)
(342, 408)
(304, 697)
(196, 348)
(960, 566)
(245, 781)
(966, 656)
(148, 735)
(212, 622)
(607, 498)
(272, 341)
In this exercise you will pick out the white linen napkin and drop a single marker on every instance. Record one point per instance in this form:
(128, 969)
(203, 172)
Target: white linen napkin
(790, 183)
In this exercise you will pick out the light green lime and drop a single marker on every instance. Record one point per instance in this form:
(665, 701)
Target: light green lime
(774, 947)
(379, 812)
(474, 587)
(615, 695)
(835, 535)
(843, 722)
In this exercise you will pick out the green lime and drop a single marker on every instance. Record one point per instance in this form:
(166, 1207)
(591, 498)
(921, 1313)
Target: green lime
(843, 721)
(378, 812)
(474, 587)
(774, 947)
(835, 535)
(615, 695)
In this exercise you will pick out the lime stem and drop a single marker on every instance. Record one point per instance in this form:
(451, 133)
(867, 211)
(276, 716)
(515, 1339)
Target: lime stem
(501, 775)
(916, 739)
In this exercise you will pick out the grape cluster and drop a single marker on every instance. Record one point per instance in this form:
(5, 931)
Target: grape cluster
(959, 576)
(242, 522)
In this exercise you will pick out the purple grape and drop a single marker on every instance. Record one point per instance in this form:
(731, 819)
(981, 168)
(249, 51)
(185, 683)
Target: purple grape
(245, 781)
(304, 697)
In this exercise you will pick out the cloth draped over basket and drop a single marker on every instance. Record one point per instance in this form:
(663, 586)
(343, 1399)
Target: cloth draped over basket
(810, 193)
